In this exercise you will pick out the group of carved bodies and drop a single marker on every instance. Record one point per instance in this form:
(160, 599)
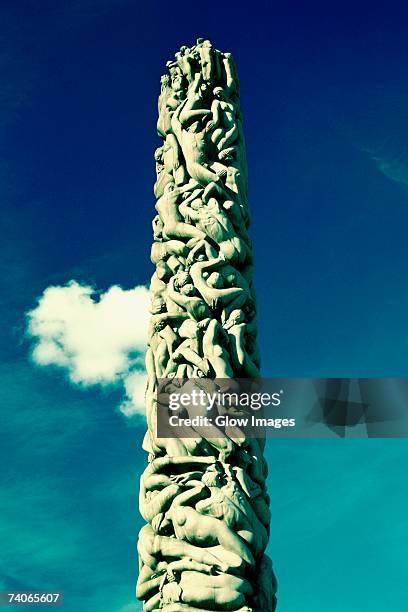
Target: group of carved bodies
(204, 499)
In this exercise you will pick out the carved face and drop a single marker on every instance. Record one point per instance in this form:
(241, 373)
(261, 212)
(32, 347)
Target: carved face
(212, 477)
(215, 280)
(164, 82)
(177, 81)
(158, 154)
(237, 316)
(163, 271)
(158, 326)
(158, 306)
(196, 204)
(169, 187)
(188, 289)
(182, 278)
(157, 225)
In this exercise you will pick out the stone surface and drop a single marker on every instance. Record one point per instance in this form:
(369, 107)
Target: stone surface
(204, 501)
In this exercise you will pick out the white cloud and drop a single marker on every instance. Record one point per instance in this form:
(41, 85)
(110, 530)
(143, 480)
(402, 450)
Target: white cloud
(394, 167)
(135, 384)
(132, 607)
(99, 339)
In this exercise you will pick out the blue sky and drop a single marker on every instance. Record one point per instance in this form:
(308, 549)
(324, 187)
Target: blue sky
(324, 96)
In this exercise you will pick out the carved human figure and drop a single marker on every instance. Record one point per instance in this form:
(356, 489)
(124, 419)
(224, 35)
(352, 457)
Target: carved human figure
(173, 225)
(194, 107)
(237, 328)
(204, 530)
(185, 296)
(185, 60)
(194, 145)
(222, 591)
(228, 503)
(223, 126)
(212, 220)
(207, 59)
(232, 81)
(215, 289)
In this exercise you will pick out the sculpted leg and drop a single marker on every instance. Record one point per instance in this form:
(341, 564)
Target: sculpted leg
(214, 352)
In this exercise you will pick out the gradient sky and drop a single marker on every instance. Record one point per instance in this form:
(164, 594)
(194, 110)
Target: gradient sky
(325, 98)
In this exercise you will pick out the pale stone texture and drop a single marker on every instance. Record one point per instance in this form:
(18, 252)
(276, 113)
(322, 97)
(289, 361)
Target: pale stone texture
(204, 499)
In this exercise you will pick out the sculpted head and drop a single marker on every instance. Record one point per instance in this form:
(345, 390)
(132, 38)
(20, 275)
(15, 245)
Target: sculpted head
(195, 54)
(197, 203)
(164, 82)
(213, 476)
(177, 79)
(169, 187)
(215, 280)
(158, 326)
(158, 305)
(236, 316)
(162, 525)
(188, 289)
(157, 225)
(182, 278)
(218, 93)
(158, 155)
(214, 204)
(163, 271)
(203, 89)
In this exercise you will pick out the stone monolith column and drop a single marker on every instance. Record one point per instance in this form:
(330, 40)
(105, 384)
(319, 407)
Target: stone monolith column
(204, 500)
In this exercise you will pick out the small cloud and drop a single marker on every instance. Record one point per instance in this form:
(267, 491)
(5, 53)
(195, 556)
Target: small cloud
(131, 607)
(394, 167)
(99, 339)
(135, 385)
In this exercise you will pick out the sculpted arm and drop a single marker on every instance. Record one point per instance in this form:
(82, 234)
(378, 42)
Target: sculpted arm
(167, 316)
(216, 115)
(175, 147)
(176, 124)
